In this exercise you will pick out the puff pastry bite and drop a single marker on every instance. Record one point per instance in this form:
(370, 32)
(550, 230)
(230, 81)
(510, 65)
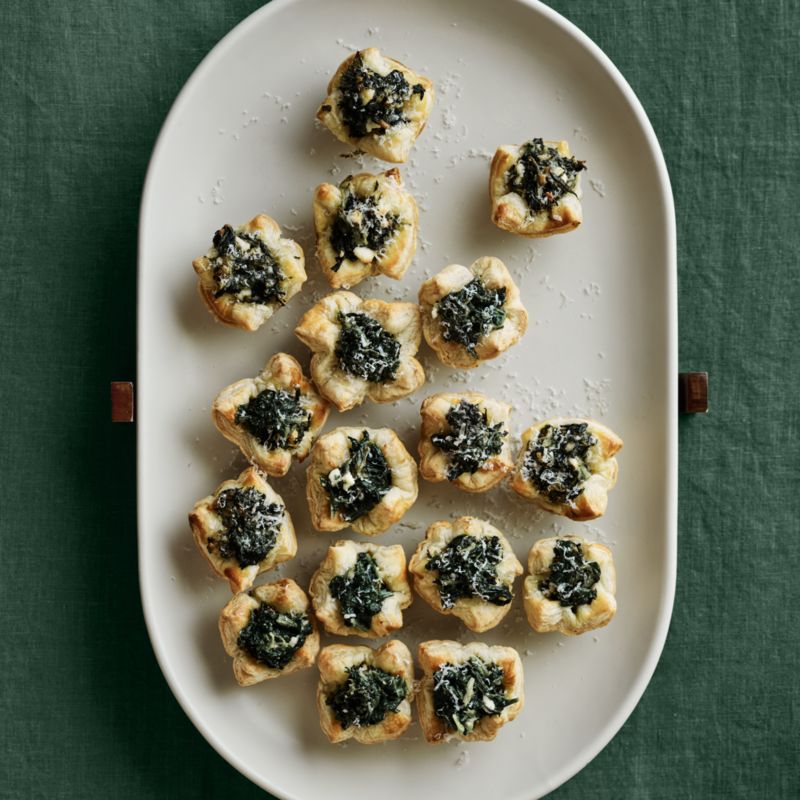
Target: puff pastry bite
(377, 104)
(535, 188)
(571, 586)
(243, 529)
(472, 315)
(464, 439)
(466, 568)
(365, 694)
(566, 465)
(273, 417)
(269, 631)
(367, 225)
(362, 348)
(250, 272)
(467, 692)
(360, 477)
(361, 589)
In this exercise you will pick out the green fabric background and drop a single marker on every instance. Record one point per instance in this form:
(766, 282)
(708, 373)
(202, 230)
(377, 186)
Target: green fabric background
(85, 711)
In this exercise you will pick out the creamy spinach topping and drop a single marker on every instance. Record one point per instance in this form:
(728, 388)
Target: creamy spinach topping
(250, 526)
(467, 567)
(276, 418)
(471, 313)
(555, 462)
(371, 104)
(272, 637)
(246, 268)
(359, 484)
(360, 592)
(463, 694)
(542, 176)
(367, 696)
(365, 349)
(471, 440)
(361, 226)
(571, 578)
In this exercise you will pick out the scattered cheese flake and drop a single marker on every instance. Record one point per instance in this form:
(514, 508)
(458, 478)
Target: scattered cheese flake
(596, 394)
(216, 192)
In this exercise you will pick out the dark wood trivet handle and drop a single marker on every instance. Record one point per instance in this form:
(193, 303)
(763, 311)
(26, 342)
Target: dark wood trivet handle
(693, 392)
(122, 401)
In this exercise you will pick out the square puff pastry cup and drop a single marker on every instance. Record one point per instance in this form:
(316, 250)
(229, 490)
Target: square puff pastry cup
(333, 662)
(331, 451)
(510, 211)
(391, 563)
(593, 500)
(284, 596)
(477, 614)
(319, 329)
(281, 372)
(389, 144)
(207, 524)
(434, 654)
(251, 316)
(434, 463)
(493, 273)
(394, 258)
(546, 615)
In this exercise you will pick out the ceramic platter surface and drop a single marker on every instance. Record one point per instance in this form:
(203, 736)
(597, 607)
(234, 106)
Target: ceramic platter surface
(241, 139)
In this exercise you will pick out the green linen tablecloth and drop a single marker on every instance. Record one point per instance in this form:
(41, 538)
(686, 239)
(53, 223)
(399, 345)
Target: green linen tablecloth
(85, 710)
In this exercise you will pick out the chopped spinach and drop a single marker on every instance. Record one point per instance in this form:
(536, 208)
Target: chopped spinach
(465, 693)
(556, 461)
(467, 567)
(359, 223)
(360, 592)
(245, 267)
(469, 314)
(366, 349)
(276, 418)
(470, 441)
(367, 696)
(250, 525)
(272, 637)
(571, 577)
(370, 103)
(542, 176)
(355, 487)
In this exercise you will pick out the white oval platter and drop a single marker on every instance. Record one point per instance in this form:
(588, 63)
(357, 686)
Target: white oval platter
(241, 139)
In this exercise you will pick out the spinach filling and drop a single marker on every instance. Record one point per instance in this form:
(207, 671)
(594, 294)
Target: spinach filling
(467, 567)
(556, 462)
(276, 418)
(471, 441)
(359, 223)
(471, 313)
(272, 637)
(250, 526)
(542, 176)
(465, 693)
(365, 349)
(369, 103)
(245, 267)
(571, 577)
(360, 592)
(367, 696)
(359, 484)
